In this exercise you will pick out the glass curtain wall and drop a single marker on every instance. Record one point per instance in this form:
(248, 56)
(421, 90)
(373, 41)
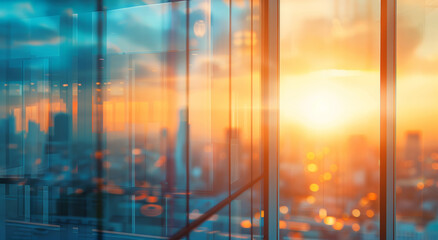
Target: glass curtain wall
(130, 119)
(417, 113)
(329, 119)
(142, 119)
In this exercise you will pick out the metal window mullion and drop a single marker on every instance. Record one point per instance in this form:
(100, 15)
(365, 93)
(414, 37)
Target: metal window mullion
(270, 103)
(387, 118)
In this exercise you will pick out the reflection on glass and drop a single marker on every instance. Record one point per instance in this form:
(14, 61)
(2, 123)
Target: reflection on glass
(416, 156)
(129, 123)
(329, 119)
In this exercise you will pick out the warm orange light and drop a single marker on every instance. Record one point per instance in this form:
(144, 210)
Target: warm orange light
(327, 176)
(363, 202)
(420, 185)
(333, 168)
(372, 196)
(355, 227)
(355, 213)
(136, 151)
(115, 190)
(140, 195)
(160, 162)
(312, 167)
(317, 219)
(322, 213)
(284, 209)
(314, 187)
(435, 166)
(319, 110)
(152, 199)
(245, 224)
(311, 199)
(262, 213)
(282, 224)
(98, 154)
(329, 220)
(338, 225)
(151, 210)
(310, 156)
(370, 213)
(295, 235)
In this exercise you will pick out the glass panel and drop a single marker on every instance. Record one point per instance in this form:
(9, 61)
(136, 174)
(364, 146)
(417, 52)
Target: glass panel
(416, 156)
(209, 115)
(241, 222)
(216, 227)
(130, 122)
(241, 91)
(329, 119)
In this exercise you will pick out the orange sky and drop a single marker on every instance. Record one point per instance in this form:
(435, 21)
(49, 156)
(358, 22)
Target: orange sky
(330, 68)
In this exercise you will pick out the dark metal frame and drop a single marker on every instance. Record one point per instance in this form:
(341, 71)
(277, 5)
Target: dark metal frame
(387, 118)
(204, 217)
(270, 114)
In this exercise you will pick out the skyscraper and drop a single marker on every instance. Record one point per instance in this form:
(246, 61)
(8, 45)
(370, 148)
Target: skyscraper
(413, 153)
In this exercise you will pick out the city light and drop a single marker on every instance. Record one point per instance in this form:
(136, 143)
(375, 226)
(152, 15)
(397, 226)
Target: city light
(322, 213)
(245, 224)
(151, 210)
(339, 225)
(372, 196)
(355, 227)
(312, 167)
(311, 199)
(284, 209)
(314, 187)
(355, 213)
(329, 221)
(282, 224)
(327, 176)
(370, 213)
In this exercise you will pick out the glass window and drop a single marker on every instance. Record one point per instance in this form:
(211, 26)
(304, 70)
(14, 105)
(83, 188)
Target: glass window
(329, 119)
(130, 119)
(416, 156)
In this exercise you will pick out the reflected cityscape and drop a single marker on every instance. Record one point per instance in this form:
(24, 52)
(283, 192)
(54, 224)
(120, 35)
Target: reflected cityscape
(125, 119)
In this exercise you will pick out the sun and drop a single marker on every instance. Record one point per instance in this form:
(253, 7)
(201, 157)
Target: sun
(321, 109)
(330, 101)
(317, 107)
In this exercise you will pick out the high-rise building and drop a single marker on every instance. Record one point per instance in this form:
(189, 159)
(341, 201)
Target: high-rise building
(413, 155)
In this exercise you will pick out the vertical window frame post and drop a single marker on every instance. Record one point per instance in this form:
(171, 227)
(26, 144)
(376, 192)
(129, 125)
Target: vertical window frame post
(270, 114)
(387, 118)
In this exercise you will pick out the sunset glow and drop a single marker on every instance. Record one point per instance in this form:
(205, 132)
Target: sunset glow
(219, 119)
